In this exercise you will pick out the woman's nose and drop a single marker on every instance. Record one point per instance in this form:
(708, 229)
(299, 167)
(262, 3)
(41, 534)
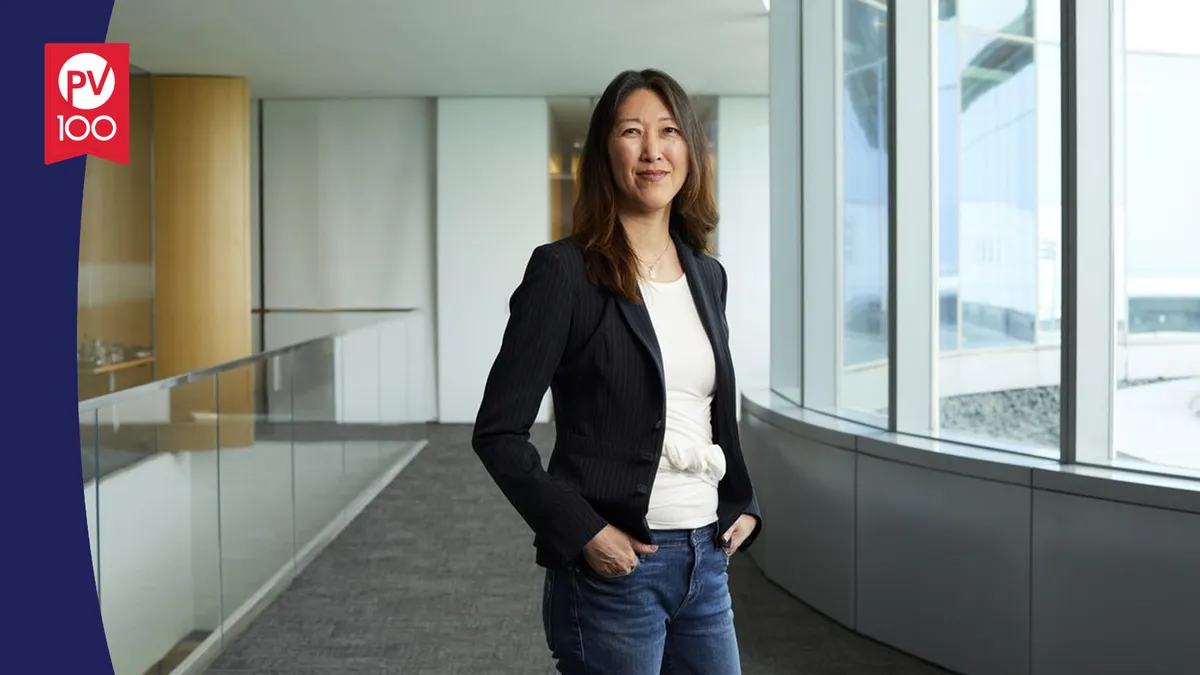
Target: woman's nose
(650, 149)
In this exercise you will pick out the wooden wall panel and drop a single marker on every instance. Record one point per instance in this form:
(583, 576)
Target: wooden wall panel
(115, 226)
(202, 246)
(116, 274)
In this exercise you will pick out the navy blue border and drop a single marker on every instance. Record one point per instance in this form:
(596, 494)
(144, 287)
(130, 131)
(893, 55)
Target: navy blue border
(49, 599)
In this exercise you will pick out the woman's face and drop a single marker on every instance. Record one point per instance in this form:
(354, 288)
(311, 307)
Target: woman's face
(648, 153)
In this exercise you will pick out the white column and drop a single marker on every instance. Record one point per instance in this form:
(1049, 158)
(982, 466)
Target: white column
(784, 114)
(913, 342)
(1088, 307)
(493, 208)
(347, 206)
(821, 202)
(744, 235)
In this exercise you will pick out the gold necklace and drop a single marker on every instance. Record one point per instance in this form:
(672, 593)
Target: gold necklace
(650, 267)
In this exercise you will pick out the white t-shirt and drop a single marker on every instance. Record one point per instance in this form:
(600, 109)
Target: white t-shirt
(685, 489)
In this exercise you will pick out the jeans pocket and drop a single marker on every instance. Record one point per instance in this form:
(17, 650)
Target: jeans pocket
(616, 577)
(587, 569)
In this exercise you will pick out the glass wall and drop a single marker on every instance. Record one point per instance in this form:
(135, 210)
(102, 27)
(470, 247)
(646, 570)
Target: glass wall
(199, 506)
(987, 329)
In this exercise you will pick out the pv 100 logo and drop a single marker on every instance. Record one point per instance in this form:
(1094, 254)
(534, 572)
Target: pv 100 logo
(87, 101)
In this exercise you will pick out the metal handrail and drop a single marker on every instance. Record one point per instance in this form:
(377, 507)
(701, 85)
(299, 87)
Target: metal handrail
(334, 310)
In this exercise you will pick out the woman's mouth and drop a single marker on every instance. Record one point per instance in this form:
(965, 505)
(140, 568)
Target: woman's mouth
(652, 176)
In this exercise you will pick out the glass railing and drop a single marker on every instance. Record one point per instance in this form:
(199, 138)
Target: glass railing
(206, 492)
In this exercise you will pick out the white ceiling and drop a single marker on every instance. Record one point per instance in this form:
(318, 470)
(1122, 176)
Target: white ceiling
(367, 48)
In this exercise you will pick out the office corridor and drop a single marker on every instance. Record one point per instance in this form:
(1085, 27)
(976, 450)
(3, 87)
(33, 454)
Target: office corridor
(436, 577)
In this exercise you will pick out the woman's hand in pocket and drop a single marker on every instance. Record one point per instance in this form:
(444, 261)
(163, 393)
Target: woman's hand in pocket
(737, 534)
(613, 553)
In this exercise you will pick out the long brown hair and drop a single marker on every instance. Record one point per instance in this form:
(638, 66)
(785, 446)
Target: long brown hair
(611, 263)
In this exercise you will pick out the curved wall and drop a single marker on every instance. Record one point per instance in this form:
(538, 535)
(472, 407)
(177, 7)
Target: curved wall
(983, 562)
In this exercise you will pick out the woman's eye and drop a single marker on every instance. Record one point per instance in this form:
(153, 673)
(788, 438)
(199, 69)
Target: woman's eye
(673, 130)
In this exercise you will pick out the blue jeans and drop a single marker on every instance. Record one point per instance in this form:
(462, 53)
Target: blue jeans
(671, 615)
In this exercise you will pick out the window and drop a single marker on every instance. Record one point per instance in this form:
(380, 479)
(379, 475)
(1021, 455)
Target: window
(1013, 264)
(863, 383)
(1155, 66)
(998, 117)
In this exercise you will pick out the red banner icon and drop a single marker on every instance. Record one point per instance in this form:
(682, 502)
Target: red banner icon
(87, 101)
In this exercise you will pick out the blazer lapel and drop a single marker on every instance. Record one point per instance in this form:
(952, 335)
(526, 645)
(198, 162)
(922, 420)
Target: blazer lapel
(706, 305)
(638, 318)
(639, 321)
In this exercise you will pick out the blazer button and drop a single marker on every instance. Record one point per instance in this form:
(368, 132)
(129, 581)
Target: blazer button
(642, 489)
(649, 455)
(658, 424)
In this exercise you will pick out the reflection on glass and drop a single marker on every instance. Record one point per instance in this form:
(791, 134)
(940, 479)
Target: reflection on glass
(997, 214)
(359, 389)
(1011, 17)
(999, 222)
(1157, 397)
(865, 184)
(158, 529)
(948, 103)
(318, 446)
(203, 494)
(255, 473)
(89, 451)
(1049, 193)
(213, 490)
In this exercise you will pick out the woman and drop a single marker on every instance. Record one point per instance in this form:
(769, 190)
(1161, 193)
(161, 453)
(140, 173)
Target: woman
(646, 494)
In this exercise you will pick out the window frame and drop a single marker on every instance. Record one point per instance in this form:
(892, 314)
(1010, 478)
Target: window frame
(1088, 299)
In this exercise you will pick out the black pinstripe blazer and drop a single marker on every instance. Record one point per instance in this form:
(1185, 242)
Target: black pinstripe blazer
(599, 356)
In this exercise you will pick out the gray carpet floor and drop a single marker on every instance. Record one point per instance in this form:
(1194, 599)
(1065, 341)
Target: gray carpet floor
(436, 577)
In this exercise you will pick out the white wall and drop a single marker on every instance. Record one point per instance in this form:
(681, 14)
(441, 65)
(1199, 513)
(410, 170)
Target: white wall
(743, 175)
(784, 161)
(348, 223)
(493, 209)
